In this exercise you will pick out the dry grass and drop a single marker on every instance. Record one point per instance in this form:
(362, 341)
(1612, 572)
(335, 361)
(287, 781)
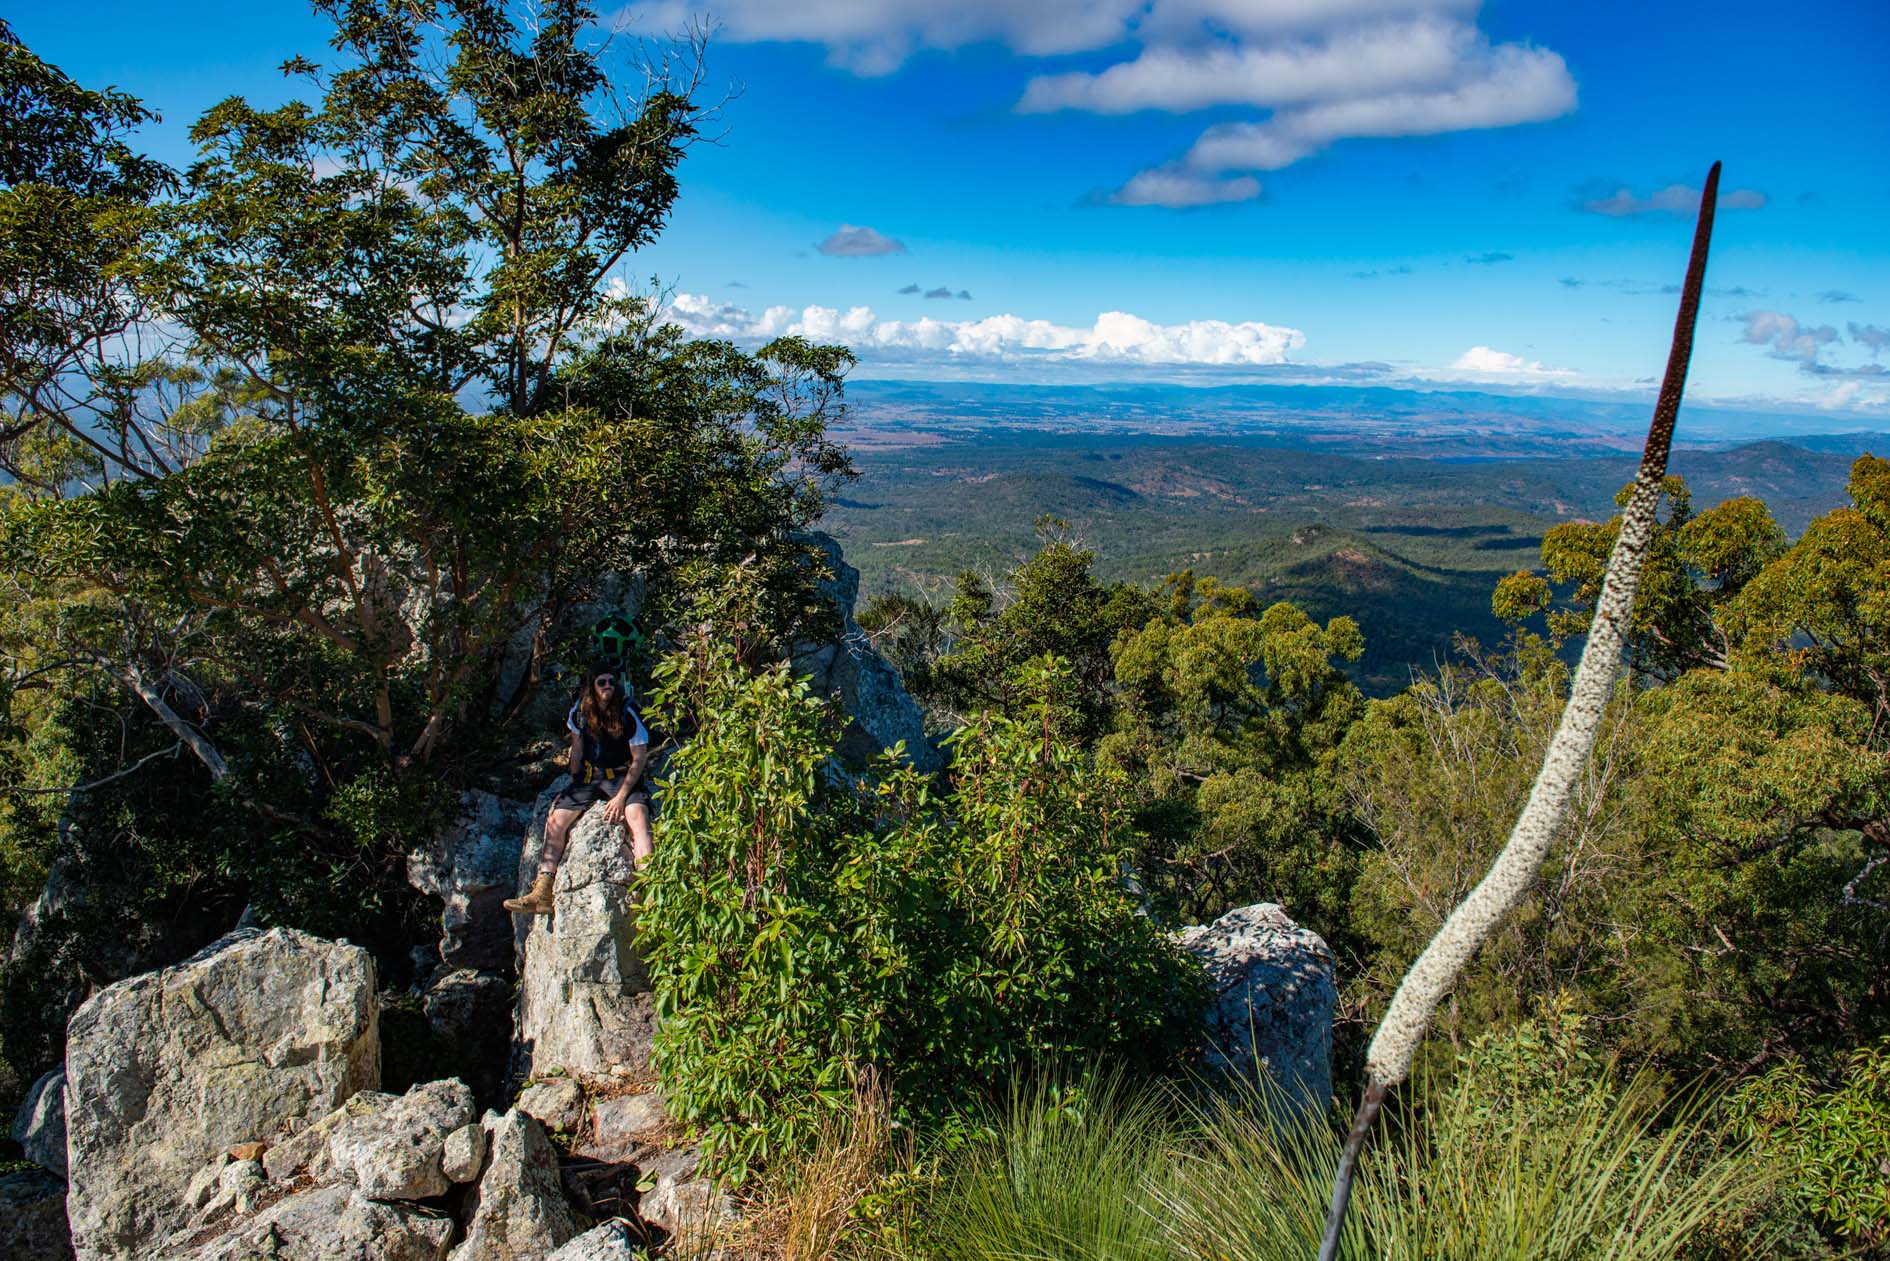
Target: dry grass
(806, 1211)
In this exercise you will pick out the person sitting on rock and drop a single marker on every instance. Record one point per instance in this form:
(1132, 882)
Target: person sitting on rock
(609, 749)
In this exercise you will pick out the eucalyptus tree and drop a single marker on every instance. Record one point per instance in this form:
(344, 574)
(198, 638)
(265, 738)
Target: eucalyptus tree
(306, 441)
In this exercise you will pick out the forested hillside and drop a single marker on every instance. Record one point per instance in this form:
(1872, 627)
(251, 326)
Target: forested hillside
(332, 457)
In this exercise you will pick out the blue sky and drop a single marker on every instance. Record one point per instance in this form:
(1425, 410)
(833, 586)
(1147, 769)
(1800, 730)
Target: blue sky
(1383, 190)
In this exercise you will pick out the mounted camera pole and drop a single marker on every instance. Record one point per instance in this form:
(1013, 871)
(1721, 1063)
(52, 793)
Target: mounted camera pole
(1388, 1058)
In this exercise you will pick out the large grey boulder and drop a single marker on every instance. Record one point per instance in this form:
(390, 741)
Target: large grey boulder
(1274, 993)
(333, 1223)
(470, 867)
(167, 1070)
(585, 1002)
(33, 1217)
(397, 1152)
(40, 1126)
(858, 678)
(517, 1212)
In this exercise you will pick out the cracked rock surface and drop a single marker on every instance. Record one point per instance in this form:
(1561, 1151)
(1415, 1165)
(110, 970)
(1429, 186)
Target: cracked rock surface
(167, 1070)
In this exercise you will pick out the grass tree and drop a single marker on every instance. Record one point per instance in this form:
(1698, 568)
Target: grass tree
(1388, 1058)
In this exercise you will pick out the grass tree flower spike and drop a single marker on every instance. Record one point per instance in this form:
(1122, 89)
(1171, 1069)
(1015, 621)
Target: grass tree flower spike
(1388, 1059)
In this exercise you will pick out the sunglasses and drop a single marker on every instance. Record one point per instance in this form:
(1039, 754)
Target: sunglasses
(605, 683)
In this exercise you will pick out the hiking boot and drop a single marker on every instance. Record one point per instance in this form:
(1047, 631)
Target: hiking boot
(537, 902)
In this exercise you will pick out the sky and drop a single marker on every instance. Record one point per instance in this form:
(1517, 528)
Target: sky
(1382, 191)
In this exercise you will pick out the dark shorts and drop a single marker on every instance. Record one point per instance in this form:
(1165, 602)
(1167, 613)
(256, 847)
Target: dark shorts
(584, 796)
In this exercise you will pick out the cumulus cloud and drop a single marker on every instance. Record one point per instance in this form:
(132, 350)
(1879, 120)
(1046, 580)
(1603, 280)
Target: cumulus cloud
(875, 37)
(1870, 335)
(1310, 73)
(1838, 295)
(1490, 256)
(1422, 52)
(1483, 361)
(912, 288)
(1680, 200)
(940, 292)
(1178, 188)
(852, 241)
(1115, 336)
(1501, 87)
(1787, 338)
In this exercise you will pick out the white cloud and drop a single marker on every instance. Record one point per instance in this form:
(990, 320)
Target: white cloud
(1328, 70)
(1676, 199)
(1483, 361)
(1787, 337)
(859, 242)
(1177, 187)
(1511, 85)
(1420, 53)
(874, 37)
(1114, 337)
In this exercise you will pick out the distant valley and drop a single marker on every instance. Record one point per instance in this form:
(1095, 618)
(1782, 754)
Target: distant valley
(1336, 516)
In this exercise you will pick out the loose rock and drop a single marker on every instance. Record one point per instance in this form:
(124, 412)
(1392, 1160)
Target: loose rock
(683, 1200)
(559, 1103)
(397, 1152)
(306, 1151)
(622, 1127)
(613, 1241)
(169, 1069)
(517, 1212)
(464, 1154)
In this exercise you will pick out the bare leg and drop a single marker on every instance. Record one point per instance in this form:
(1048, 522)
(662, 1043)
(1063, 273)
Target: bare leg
(557, 831)
(636, 817)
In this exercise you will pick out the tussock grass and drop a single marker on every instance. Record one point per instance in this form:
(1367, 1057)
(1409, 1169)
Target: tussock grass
(1472, 1173)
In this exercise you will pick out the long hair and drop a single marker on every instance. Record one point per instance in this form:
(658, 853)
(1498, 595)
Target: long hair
(602, 719)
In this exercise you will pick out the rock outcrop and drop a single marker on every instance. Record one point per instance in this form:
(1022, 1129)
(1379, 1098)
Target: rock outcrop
(470, 867)
(585, 1003)
(40, 1127)
(33, 1217)
(518, 1212)
(1274, 993)
(169, 1069)
(854, 674)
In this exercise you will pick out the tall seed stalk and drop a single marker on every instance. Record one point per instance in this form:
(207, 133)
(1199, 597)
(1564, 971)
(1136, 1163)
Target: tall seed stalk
(1388, 1058)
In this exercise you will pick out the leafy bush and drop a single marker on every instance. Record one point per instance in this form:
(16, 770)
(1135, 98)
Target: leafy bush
(1834, 1145)
(803, 925)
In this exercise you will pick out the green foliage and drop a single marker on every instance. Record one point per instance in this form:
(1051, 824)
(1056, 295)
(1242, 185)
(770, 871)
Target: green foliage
(1229, 720)
(803, 925)
(1057, 607)
(1833, 1144)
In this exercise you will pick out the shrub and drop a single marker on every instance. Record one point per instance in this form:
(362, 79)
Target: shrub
(803, 924)
(1834, 1145)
